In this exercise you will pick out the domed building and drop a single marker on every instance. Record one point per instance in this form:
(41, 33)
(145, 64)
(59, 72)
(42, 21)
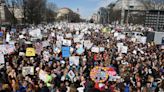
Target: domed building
(66, 14)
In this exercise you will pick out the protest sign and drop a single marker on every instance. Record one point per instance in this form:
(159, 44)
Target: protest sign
(69, 35)
(124, 49)
(7, 49)
(58, 44)
(142, 40)
(99, 74)
(28, 70)
(43, 75)
(8, 37)
(65, 51)
(74, 60)
(36, 33)
(39, 48)
(46, 55)
(95, 49)
(10, 48)
(3, 28)
(102, 49)
(80, 50)
(88, 44)
(30, 52)
(2, 59)
(121, 36)
(76, 40)
(71, 74)
(1, 34)
(45, 43)
(67, 42)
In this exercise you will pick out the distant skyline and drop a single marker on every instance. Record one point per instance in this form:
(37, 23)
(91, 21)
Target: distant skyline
(86, 7)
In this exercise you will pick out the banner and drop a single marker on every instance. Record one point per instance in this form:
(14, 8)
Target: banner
(74, 60)
(65, 51)
(28, 70)
(30, 52)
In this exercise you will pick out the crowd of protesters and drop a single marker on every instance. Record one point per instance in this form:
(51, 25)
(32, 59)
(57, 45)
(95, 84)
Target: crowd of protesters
(141, 69)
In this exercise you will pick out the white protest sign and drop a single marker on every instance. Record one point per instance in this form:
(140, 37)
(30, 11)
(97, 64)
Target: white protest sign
(116, 34)
(43, 75)
(45, 43)
(71, 74)
(67, 42)
(95, 49)
(8, 37)
(58, 44)
(46, 55)
(124, 49)
(28, 70)
(2, 59)
(142, 40)
(36, 33)
(76, 40)
(74, 60)
(69, 35)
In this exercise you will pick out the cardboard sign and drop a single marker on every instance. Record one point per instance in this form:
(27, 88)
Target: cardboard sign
(67, 42)
(30, 52)
(65, 51)
(95, 49)
(74, 60)
(28, 70)
(2, 59)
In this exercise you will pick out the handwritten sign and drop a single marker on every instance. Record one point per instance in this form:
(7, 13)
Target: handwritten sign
(30, 52)
(28, 70)
(74, 60)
